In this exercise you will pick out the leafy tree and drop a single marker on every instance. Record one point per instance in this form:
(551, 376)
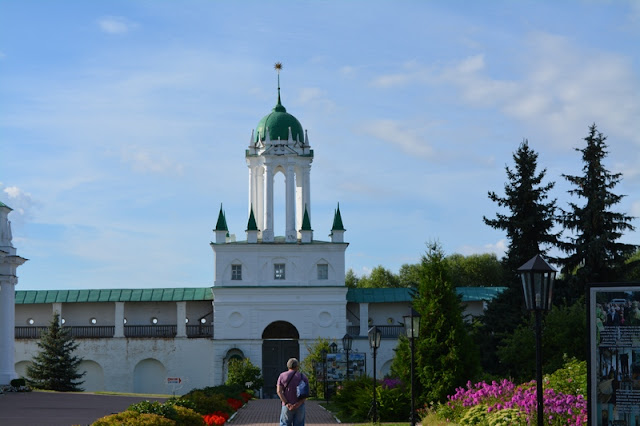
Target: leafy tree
(476, 270)
(379, 278)
(307, 366)
(529, 226)
(54, 367)
(594, 252)
(409, 275)
(350, 279)
(445, 354)
(564, 336)
(243, 371)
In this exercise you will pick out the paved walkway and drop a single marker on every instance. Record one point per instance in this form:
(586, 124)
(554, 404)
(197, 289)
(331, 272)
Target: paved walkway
(67, 409)
(61, 409)
(267, 412)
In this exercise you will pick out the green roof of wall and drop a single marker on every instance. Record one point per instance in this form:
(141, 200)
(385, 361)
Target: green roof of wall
(114, 295)
(355, 295)
(382, 295)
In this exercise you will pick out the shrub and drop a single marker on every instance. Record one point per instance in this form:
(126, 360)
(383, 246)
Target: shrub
(205, 403)
(154, 407)
(133, 418)
(244, 373)
(353, 400)
(187, 417)
(571, 379)
(16, 383)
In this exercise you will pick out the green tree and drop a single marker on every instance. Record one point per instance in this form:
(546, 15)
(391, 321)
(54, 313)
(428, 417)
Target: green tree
(243, 372)
(54, 367)
(532, 217)
(445, 354)
(409, 275)
(594, 252)
(350, 279)
(529, 227)
(313, 358)
(564, 336)
(476, 270)
(379, 278)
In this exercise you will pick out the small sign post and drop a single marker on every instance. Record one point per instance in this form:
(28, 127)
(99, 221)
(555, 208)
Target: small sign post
(175, 382)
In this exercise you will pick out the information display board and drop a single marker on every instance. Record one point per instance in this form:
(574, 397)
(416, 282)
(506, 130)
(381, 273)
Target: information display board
(614, 354)
(336, 367)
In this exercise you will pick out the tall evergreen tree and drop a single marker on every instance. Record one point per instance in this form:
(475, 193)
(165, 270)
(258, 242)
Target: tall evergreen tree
(55, 367)
(529, 227)
(594, 252)
(445, 355)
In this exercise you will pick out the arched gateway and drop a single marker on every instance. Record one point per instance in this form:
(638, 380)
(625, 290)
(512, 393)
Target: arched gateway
(279, 343)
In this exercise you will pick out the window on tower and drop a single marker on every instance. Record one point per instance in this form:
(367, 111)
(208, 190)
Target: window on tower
(278, 271)
(236, 272)
(323, 271)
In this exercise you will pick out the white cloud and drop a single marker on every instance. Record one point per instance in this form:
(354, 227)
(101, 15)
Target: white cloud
(399, 135)
(498, 248)
(635, 209)
(144, 161)
(116, 25)
(21, 202)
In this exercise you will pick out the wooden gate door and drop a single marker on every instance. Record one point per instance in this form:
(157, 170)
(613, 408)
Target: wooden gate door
(275, 354)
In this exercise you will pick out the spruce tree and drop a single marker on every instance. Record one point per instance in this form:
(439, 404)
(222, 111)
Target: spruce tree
(594, 253)
(54, 367)
(529, 226)
(532, 217)
(445, 354)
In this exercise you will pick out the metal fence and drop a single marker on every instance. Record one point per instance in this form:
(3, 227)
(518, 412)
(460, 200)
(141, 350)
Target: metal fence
(107, 331)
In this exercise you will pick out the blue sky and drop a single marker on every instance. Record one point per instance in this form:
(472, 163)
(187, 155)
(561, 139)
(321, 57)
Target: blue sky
(123, 124)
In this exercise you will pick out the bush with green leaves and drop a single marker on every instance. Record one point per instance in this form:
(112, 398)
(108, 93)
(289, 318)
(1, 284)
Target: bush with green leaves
(188, 417)
(571, 379)
(205, 403)
(353, 400)
(154, 407)
(244, 373)
(171, 410)
(133, 418)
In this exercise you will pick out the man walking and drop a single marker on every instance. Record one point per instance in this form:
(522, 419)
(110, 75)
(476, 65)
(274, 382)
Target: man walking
(292, 413)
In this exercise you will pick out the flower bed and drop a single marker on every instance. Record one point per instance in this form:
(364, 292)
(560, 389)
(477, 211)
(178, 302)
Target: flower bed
(507, 403)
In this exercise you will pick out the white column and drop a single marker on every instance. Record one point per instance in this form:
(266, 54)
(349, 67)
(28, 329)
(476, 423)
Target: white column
(259, 213)
(57, 309)
(252, 187)
(267, 234)
(181, 314)
(291, 233)
(119, 320)
(306, 189)
(364, 319)
(7, 330)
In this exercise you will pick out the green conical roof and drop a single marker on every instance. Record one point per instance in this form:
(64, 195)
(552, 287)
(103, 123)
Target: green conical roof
(251, 225)
(306, 223)
(221, 224)
(4, 205)
(337, 221)
(278, 122)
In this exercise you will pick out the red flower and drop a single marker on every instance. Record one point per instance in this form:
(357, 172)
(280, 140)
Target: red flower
(235, 403)
(213, 419)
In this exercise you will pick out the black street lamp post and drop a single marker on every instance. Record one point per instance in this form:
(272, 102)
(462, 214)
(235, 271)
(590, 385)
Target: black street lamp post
(374, 342)
(346, 345)
(324, 374)
(412, 328)
(537, 283)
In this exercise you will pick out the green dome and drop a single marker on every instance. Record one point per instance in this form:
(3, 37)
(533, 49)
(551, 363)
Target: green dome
(278, 122)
